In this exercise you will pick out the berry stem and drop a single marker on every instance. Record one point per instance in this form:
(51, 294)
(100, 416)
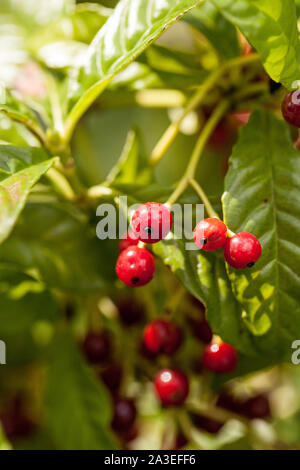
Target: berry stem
(172, 131)
(197, 152)
(209, 209)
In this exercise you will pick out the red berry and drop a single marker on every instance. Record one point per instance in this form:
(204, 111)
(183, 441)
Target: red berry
(220, 358)
(256, 407)
(96, 347)
(112, 376)
(240, 118)
(171, 386)
(130, 311)
(207, 424)
(201, 329)
(15, 422)
(242, 250)
(162, 337)
(152, 222)
(291, 108)
(128, 240)
(210, 234)
(135, 266)
(124, 414)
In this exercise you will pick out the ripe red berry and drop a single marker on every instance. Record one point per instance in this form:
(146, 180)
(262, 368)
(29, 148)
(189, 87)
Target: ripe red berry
(242, 250)
(151, 222)
(210, 234)
(256, 407)
(220, 358)
(128, 240)
(291, 108)
(112, 376)
(171, 386)
(96, 347)
(135, 266)
(162, 337)
(130, 311)
(124, 414)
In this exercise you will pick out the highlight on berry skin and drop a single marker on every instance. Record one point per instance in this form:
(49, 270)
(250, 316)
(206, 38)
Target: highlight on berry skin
(242, 250)
(135, 266)
(151, 222)
(220, 357)
(291, 108)
(210, 234)
(171, 386)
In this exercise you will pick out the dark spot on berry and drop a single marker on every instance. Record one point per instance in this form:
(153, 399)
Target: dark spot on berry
(147, 229)
(134, 280)
(250, 265)
(203, 241)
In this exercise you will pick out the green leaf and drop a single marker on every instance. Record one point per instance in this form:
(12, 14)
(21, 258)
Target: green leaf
(18, 111)
(130, 29)
(262, 190)
(176, 69)
(271, 28)
(66, 253)
(22, 11)
(78, 406)
(27, 315)
(132, 166)
(20, 169)
(205, 277)
(80, 24)
(213, 25)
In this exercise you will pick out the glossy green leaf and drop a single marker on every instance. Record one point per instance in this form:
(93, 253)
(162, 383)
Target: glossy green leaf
(271, 28)
(20, 169)
(78, 406)
(262, 191)
(80, 24)
(222, 35)
(130, 29)
(66, 254)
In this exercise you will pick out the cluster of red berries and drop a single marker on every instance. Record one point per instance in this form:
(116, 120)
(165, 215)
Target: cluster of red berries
(241, 250)
(164, 337)
(151, 223)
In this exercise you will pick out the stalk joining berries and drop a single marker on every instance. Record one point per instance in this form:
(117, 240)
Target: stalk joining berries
(210, 234)
(242, 250)
(151, 222)
(291, 108)
(171, 386)
(135, 266)
(220, 358)
(162, 337)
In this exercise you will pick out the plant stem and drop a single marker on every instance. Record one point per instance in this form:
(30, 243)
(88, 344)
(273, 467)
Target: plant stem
(170, 134)
(201, 142)
(199, 190)
(56, 110)
(61, 184)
